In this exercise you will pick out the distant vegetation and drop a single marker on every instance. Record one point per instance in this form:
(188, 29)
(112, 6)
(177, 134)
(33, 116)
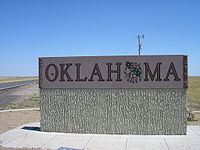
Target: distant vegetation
(16, 79)
(194, 93)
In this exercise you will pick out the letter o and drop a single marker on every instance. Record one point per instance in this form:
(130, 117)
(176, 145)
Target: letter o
(47, 72)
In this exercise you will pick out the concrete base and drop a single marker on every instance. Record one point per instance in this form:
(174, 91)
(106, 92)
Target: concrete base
(22, 138)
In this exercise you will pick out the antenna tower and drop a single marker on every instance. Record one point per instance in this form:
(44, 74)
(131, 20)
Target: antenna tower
(140, 37)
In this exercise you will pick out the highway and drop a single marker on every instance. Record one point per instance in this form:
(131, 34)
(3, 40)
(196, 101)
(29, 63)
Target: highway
(4, 86)
(18, 91)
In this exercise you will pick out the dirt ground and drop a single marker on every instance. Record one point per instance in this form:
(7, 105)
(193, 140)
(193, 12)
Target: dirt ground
(11, 120)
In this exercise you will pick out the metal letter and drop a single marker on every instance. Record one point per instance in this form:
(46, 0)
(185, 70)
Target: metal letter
(172, 71)
(96, 71)
(78, 73)
(118, 71)
(64, 72)
(156, 71)
(47, 72)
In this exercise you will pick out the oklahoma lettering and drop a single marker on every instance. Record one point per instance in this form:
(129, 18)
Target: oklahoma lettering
(88, 72)
(62, 74)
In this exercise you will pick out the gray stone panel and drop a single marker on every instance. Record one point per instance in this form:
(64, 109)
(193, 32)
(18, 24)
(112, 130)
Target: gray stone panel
(114, 111)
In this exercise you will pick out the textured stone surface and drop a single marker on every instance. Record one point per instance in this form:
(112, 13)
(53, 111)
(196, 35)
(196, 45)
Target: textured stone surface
(114, 111)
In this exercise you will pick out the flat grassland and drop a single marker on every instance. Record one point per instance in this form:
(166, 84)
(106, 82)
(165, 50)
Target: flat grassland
(193, 92)
(16, 79)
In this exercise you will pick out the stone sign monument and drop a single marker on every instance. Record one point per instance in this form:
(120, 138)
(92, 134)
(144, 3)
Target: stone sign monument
(114, 94)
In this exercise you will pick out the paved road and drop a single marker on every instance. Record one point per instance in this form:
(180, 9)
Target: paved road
(14, 94)
(4, 86)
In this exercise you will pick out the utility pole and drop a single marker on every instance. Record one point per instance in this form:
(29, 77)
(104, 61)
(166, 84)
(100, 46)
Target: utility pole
(140, 37)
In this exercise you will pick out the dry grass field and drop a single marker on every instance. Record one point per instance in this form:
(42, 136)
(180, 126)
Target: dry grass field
(194, 93)
(16, 79)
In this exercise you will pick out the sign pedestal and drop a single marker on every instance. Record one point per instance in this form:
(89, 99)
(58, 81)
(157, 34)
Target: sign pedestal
(114, 111)
(143, 95)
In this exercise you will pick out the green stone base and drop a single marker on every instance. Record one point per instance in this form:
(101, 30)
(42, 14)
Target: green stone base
(114, 111)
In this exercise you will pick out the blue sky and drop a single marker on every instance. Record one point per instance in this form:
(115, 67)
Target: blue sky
(40, 28)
